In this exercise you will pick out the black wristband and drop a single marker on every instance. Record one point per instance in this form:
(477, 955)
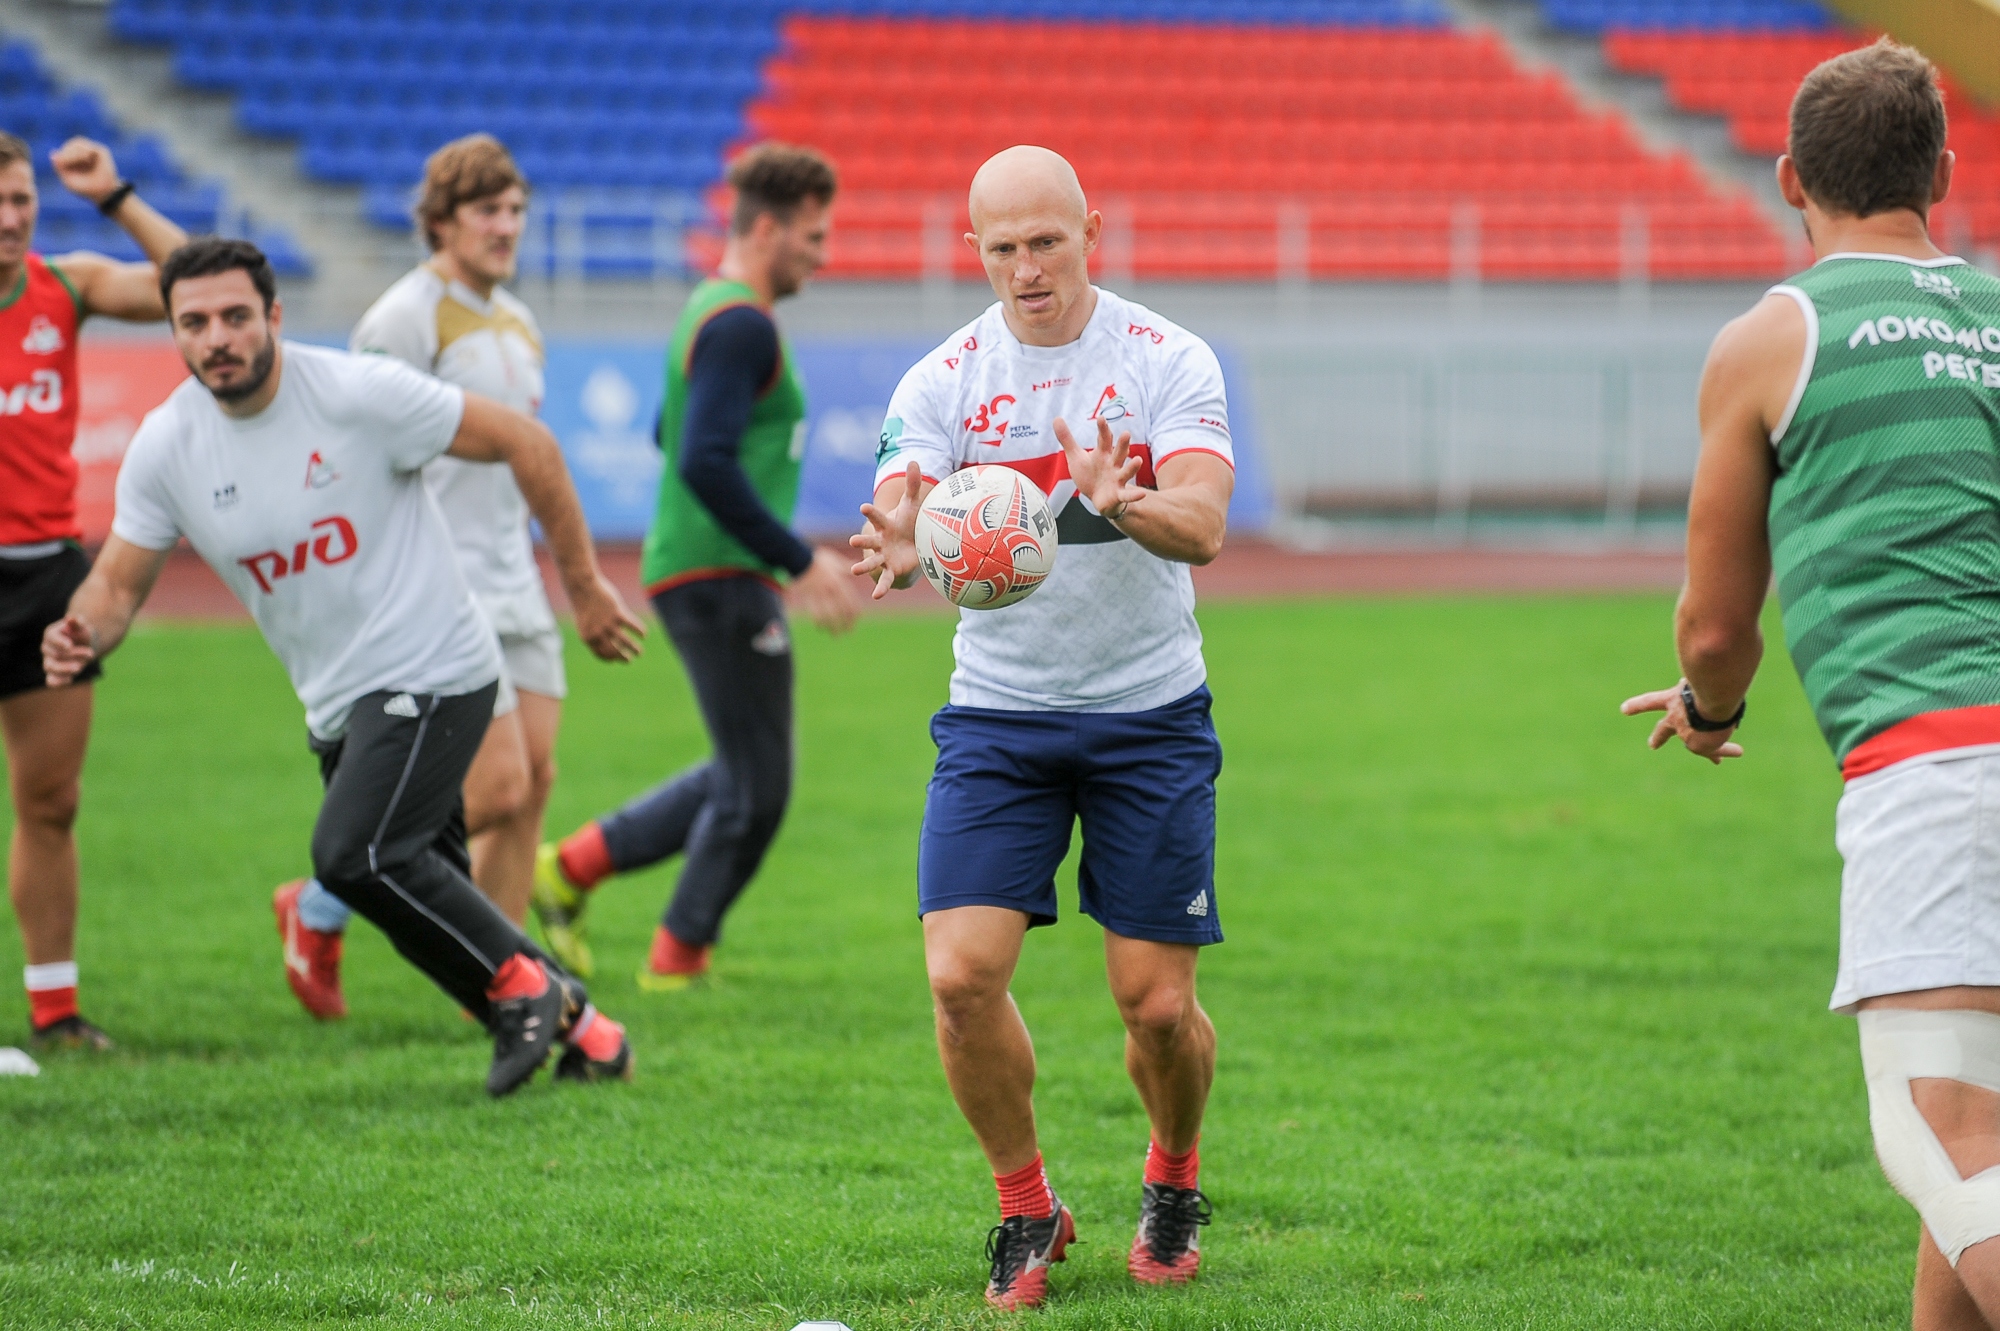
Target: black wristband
(1700, 722)
(111, 202)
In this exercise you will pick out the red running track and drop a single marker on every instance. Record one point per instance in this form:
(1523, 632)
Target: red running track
(1246, 570)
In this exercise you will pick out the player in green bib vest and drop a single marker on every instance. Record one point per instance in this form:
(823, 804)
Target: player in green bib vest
(733, 432)
(686, 540)
(1851, 447)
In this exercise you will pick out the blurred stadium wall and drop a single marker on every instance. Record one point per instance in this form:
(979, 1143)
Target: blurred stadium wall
(1462, 257)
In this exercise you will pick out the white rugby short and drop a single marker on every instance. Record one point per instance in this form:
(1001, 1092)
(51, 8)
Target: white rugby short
(534, 664)
(1920, 893)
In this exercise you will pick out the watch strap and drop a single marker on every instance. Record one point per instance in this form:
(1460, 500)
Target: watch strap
(1700, 722)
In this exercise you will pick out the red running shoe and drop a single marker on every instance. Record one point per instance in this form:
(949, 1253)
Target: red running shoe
(1021, 1248)
(1165, 1251)
(312, 957)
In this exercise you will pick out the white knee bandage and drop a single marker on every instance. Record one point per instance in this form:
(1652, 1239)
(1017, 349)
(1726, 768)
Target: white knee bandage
(1900, 1044)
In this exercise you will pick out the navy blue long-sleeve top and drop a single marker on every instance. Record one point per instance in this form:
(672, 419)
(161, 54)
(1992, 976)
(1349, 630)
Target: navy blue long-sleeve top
(734, 360)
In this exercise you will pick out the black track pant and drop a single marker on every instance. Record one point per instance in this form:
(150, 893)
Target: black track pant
(390, 840)
(730, 633)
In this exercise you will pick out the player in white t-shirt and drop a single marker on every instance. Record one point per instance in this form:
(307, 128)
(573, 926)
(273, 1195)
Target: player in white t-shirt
(450, 317)
(1085, 701)
(295, 472)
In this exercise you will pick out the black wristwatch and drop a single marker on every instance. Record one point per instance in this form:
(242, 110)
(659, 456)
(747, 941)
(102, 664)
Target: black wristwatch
(1700, 722)
(111, 202)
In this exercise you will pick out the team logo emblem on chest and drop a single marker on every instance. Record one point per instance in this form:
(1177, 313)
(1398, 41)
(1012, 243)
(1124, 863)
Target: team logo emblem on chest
(319, 472)
(43, 339)
(1110, 406)
(988, 417)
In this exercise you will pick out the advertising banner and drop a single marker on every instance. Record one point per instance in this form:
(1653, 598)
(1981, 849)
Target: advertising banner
(122, 381)
(603, 402)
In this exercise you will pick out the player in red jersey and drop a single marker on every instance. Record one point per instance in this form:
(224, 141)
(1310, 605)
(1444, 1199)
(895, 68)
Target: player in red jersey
(43, 302)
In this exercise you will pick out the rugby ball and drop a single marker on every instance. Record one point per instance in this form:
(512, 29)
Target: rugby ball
(986, 537)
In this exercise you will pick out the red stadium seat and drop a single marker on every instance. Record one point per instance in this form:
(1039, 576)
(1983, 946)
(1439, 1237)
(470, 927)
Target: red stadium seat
(1378, 135)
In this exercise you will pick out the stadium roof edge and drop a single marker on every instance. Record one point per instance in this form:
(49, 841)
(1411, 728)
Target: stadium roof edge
(1961, 35)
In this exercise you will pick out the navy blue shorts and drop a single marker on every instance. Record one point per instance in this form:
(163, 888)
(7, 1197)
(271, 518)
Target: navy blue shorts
(1009, 786)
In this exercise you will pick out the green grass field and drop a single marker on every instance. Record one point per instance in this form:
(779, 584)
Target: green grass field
(1521, 1025)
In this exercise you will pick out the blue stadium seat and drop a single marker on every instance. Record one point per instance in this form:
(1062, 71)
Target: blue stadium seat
(1595, 16)
(648, 93)
(32, 106)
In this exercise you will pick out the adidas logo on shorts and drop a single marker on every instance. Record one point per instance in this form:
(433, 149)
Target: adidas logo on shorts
(404, 705)
(1199, 906)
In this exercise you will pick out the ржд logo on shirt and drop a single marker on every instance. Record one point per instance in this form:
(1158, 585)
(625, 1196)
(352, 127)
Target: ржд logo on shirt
(271, 565)
(42, 392)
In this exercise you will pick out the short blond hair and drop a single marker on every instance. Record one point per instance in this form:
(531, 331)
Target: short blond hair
(464, 171)
(14, 148)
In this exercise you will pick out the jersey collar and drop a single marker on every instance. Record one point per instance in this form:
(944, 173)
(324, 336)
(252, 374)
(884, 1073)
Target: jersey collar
(1944, 262)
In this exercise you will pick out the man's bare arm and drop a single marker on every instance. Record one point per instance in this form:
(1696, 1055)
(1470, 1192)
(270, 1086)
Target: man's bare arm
(1183, 520)
(106, 286)
(1745, 387)
(490, 432)
(101, 611)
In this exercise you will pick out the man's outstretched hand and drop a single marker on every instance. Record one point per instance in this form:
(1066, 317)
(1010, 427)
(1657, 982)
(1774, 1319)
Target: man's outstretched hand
(889, 542)
(608, 629)
(1103, 475)
(1713, 745)
(67, 647)
(822, 591)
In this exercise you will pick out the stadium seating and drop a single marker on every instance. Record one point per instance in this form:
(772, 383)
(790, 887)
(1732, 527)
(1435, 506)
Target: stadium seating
(1743, 60)
(34, 107)
(1334, 152)
(1226, 138)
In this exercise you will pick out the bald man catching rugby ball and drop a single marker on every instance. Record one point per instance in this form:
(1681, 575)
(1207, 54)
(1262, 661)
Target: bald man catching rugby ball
(1087, 700)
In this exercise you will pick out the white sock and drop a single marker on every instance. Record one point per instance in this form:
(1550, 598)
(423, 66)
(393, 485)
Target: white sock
(49, 975)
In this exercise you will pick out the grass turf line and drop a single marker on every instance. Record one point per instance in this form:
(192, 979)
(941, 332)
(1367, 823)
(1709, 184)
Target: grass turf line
(1520, 1024)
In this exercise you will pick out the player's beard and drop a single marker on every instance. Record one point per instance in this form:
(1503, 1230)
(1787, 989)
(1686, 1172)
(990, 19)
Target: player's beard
(260, 370)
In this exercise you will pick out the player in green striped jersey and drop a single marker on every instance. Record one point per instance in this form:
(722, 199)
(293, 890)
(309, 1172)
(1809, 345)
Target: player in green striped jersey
(1851, 446)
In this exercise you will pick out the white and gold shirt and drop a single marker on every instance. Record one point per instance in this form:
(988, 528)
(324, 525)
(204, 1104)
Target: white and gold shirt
(493, 348)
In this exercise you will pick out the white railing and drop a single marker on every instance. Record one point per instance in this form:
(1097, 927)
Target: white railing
(1436, 434)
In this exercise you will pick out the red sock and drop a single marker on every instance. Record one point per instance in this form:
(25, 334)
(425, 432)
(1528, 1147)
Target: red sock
(520, 976)
(673, 957)
(1176, 1171)
(597, 1036)
(584, 858)
(51, 992)
(1026, 1192)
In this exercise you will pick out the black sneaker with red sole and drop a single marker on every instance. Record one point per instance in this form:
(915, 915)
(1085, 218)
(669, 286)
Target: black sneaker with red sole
(1167, 1250)
(576, 1065)
(527, 1030)
(71, 1032)
(1022, 1248)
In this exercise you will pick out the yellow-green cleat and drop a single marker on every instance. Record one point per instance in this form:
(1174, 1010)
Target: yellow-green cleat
(560, 909)
(656, 982)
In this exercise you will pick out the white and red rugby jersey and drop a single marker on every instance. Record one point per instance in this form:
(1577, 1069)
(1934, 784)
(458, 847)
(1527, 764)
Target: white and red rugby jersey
(1113, 628)
(314, 511)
